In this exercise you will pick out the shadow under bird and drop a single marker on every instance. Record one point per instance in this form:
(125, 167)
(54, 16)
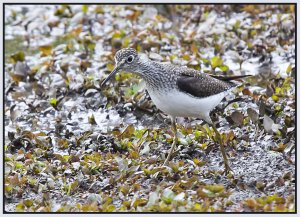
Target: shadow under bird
(178, 91)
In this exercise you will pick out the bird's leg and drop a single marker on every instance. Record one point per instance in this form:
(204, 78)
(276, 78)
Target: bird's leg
(173, 119)
(219, 140)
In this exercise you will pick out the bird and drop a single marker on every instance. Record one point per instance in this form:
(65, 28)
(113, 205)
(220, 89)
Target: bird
(177, 90)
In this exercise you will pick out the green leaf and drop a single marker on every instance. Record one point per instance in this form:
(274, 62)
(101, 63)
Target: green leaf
(237, 25)
(197, 207)
(126, 42)
(131, 90)
(118, 34)
(139, 202)
(19, 165)
(7, 158)
(91, 119)
(20, 207)
(59, 12)
(46, 50)
(110, 66)
(278, 90)
(224, 68)
(194, 48)
(215, 188)
(32, 181)
(91, 45)
(186, 57)
(28, 203)
(235, 105)
(168, 196)
(205, 61)
(216, 61)
(253, 32)
(275, 98)
(110, 208)
(99, 9)
(289, 69)
(19, 56)
(128, 131)
(53, 101)
(85, 9)
(205, 15)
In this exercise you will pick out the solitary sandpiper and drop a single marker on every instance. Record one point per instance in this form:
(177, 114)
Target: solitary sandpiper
(178, 91)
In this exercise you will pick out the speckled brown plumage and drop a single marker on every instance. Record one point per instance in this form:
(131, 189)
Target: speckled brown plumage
(165, 77)
(196, 83)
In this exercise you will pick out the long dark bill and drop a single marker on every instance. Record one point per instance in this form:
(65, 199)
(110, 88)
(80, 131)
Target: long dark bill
(110, 76)
(113, 72)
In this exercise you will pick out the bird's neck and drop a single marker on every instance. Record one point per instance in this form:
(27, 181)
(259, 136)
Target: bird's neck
(153, 73)
(145, 70)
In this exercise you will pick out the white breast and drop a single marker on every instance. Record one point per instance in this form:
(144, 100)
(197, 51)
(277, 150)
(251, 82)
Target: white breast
(179, 104)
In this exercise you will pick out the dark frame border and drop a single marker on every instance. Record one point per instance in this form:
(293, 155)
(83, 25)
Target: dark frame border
(147, 3)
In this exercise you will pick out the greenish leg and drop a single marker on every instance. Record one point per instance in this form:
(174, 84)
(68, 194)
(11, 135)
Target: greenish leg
(227, 167)
(172, 147)
(174, 141)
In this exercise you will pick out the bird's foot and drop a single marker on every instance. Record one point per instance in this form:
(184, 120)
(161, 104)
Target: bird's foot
(227, 168)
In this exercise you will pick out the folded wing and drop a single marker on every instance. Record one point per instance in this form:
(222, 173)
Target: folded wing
(204, 85)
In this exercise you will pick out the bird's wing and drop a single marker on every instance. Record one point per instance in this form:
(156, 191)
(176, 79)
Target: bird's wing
(203, 85)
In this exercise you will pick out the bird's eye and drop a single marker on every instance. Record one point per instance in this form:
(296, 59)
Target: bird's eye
(130, 59)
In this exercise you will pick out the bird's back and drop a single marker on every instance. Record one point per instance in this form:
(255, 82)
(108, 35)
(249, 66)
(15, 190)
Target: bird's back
(194, 82)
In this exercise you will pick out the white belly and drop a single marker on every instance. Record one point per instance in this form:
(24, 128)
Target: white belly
(178, 104)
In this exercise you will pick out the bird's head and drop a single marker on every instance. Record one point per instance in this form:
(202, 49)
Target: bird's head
(127, 60)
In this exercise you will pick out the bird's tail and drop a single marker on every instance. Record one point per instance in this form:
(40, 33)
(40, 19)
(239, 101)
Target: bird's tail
(229, 78)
